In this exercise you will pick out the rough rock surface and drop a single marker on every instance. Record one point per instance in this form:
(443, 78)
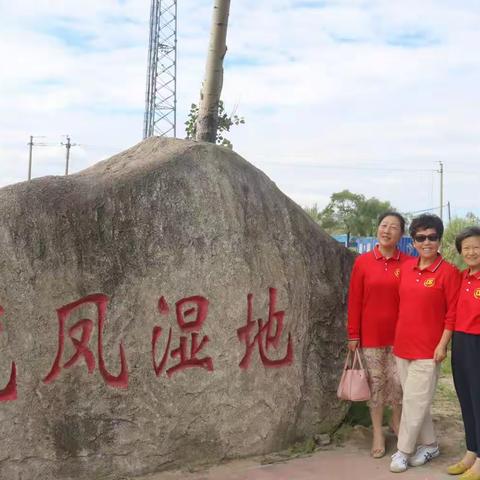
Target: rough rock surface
(171, 219)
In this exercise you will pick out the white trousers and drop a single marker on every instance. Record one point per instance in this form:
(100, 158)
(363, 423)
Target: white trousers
(419, 380)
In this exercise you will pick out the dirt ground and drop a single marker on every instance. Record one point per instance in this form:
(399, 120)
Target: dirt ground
(347, 456)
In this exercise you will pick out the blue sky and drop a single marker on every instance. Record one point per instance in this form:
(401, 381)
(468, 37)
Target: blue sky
(364, 95)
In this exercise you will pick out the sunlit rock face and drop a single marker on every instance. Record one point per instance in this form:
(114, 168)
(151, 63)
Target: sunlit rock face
(168, 306)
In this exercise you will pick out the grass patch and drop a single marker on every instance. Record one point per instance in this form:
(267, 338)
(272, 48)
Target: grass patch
(359, 414)
(446, 392)
(303, 448)
(341, 434)
(446, 366)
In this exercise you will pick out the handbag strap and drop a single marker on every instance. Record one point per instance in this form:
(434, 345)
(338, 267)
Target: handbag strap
(357, 358)
(347, 361)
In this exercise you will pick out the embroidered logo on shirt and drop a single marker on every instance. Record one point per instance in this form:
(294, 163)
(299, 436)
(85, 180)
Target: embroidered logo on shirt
(397, 273)
(429, 282)
(476, 293)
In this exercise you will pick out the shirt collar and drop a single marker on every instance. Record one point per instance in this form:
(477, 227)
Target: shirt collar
(378, 254)
(433, 267)
(466, 274)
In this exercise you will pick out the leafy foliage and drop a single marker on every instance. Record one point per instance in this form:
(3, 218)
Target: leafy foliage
(314, 212)
(225, 122)
(303, 448)
(350, 213)
(456, 225)
(359, 414)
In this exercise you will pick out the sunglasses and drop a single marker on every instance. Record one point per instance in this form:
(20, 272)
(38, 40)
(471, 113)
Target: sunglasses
(421, 238)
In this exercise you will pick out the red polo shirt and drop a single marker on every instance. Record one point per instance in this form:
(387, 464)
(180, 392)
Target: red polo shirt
(468, 306)
(428, 301)
(373, 298)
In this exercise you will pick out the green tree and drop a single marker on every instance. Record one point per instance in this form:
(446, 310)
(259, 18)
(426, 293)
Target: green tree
(350, 213)
(368, 213)
(224, 123)
(314, 212)
(456, 225)
(340, 215)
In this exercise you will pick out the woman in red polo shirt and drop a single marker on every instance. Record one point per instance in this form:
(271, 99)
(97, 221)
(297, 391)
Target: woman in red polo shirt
(428, 297)
(466, 353)
(372, 314)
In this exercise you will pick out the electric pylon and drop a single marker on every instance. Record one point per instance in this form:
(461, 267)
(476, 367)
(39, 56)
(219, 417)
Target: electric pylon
(161, 92)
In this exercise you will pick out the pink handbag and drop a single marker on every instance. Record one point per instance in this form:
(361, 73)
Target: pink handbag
(353, 385)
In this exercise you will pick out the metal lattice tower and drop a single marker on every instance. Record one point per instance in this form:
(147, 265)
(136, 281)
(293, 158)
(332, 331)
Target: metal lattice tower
(161, 93)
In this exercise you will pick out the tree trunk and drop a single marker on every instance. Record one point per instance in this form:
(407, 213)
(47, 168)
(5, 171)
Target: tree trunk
(212, 86)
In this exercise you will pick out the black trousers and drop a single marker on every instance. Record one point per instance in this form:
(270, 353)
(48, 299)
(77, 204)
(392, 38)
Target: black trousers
(466, 376)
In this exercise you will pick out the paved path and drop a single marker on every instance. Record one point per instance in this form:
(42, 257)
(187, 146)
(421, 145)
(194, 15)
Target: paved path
(351, 461)
(337, 464)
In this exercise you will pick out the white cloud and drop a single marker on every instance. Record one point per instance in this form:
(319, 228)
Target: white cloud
(367, 84)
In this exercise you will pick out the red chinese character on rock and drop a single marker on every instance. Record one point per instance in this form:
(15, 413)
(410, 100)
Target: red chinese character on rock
(10, 391)
(187, 357)
(267, 335)
(82, 349)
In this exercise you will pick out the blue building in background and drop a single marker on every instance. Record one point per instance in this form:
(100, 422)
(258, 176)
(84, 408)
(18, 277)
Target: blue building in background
(342, 238)
(365, 244)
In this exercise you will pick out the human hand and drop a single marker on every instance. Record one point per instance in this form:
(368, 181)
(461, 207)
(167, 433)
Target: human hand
(353, 345)
(440, 353)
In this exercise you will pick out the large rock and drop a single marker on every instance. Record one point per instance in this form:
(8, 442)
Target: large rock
(114, 249)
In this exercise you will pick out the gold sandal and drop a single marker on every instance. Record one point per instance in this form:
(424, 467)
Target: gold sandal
(377, 452)
(469, 475)
(457, 468)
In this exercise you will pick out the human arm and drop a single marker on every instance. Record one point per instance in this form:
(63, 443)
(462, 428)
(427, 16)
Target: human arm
(451, 288)
(355, 303)
(440, 351)
(353, 345)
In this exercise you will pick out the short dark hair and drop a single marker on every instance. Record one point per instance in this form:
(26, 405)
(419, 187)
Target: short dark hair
(464, 234)
(392, 213)
(424, 221)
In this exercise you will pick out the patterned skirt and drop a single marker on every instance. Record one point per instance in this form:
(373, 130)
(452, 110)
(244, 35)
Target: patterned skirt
(382, 377)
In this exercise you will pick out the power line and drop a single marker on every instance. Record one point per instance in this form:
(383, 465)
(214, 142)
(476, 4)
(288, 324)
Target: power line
(32, 144)
(426, 210)
(366, 167)
(349, 167)
(432, 210)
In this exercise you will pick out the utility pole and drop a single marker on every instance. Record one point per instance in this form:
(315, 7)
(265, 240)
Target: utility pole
(68, 146)
(30, 158)
(30, 152)
(441, 189)
(449, 212)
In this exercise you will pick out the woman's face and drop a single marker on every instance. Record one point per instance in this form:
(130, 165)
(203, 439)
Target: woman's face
(389, 231)
(426, 243)
(471, 252)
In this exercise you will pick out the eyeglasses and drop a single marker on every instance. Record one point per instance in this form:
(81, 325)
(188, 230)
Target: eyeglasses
(421, 238)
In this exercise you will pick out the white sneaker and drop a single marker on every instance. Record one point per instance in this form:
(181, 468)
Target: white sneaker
(399, 462)
(423, 455)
